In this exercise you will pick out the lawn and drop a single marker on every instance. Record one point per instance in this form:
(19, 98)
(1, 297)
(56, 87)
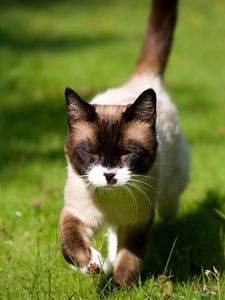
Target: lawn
(91, 45)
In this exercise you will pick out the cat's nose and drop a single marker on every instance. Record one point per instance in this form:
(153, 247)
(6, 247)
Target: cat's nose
(110, 178)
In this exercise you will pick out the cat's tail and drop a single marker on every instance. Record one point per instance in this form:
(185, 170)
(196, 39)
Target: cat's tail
(158, 38)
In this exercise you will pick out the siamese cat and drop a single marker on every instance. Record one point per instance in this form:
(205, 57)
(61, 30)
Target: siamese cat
(126, 157)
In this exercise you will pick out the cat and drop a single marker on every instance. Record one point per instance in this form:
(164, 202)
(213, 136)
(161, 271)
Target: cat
(126, 157)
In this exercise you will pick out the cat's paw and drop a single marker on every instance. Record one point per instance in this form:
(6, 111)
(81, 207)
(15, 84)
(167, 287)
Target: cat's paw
(127, 268)
(95, 265)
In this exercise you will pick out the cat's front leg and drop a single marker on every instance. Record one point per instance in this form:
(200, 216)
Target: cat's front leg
(132, 243)
(75, 243)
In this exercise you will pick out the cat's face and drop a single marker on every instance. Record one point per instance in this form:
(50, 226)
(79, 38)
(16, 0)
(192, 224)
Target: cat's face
(109, 143)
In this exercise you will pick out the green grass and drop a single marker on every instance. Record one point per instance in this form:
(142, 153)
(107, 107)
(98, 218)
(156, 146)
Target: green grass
(92, 45)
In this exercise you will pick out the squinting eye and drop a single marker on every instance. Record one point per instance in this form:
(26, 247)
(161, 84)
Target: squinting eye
(126, 152)
(92, 150)
(94, 156)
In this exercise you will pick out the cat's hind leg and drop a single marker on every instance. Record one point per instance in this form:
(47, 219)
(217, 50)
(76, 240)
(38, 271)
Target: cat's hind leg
(168, 205)
(173, 179)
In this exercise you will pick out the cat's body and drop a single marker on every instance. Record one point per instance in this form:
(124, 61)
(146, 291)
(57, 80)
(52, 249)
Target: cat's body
(171, 165)
(123, 161)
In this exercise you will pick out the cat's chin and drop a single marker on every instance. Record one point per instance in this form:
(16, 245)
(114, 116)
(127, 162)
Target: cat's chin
(108, 186)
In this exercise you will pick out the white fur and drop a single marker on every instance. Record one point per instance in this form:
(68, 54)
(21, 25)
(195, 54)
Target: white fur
(117, 206)
(122, 175)
(112, 244)
(173, 156)
(78, 200)
(96, 175)
(112, 251)
(96, 258)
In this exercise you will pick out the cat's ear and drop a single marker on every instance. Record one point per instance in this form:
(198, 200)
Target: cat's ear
(78, 109)
(143, 109)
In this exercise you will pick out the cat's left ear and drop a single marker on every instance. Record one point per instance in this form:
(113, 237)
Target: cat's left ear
(143, 109)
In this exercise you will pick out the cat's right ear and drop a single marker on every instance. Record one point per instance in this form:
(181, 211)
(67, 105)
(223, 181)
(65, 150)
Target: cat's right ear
(78, 109)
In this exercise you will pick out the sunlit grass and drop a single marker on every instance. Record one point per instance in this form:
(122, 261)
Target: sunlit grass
(48, 45)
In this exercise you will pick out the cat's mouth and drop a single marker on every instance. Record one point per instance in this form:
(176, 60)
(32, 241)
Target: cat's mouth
(108, 185)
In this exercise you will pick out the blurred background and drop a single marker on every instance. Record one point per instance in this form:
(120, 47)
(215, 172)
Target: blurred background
(90, 46)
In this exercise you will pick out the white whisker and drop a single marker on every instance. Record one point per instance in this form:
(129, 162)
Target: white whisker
(145, 183)
(137, 187)
(133, 200)
(60, 170)
(146, 177)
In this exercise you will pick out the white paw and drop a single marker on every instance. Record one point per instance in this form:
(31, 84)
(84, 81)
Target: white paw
(95, 265)
(107, 266)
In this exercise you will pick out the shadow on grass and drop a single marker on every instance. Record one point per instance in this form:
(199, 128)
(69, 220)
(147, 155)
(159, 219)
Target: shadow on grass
(28, 38)
(48, 42)
(39, 3)
(199, 242)
(31, 132)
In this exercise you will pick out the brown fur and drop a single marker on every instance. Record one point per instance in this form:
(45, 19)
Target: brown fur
(127, 267)
(83, 130)
(158, 39)
(134, 130)
(119, 124)
(74, 240)
(132, 244)
(138, 131)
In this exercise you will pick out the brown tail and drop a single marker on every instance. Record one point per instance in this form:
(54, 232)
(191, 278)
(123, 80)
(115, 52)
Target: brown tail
(158, 38)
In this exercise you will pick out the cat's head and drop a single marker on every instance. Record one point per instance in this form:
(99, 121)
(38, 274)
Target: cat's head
(108, 143)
